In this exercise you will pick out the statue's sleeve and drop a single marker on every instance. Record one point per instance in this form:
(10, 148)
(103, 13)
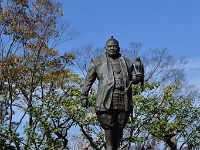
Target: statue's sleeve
(89, 80)
(133, 74)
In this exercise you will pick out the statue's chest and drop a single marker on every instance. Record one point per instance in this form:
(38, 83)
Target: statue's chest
(116, 67)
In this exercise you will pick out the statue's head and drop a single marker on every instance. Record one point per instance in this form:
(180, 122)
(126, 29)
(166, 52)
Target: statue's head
(112, 47)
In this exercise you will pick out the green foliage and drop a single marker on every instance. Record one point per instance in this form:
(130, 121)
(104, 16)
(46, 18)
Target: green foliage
(5, 146)
(169, 116)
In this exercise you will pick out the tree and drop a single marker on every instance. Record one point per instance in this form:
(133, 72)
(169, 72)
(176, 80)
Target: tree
(170, 109)
(170, 118)
(84, 56)
(38, 92)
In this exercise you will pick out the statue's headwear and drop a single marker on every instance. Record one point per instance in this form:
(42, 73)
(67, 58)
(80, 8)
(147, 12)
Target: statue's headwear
(112, 39)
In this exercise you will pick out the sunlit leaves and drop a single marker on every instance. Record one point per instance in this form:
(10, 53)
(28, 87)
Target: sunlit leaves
(35, 78)
(170, 116)
(27, 20)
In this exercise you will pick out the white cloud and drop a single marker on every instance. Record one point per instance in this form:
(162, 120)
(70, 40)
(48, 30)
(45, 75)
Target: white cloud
(193, 63)
(193, 71)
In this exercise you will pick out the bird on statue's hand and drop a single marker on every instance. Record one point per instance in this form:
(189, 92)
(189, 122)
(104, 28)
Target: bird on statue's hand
(138, 65)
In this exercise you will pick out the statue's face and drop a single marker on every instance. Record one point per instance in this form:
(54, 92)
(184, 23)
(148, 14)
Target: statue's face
(112, 48)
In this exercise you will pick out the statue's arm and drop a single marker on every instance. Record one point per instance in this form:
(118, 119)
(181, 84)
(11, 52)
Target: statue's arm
(135, 78)
(89, 80)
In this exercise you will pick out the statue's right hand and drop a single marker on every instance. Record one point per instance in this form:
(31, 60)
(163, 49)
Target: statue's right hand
(84, 102)
(139, 77)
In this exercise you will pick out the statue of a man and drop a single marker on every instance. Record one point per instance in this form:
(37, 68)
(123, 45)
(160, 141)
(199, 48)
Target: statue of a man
(114, 100)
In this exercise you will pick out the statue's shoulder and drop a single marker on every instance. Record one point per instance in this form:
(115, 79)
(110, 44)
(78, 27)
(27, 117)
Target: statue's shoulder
(127, 60)
(98, 59)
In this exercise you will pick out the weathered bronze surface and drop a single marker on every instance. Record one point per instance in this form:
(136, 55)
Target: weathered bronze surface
(115, 74)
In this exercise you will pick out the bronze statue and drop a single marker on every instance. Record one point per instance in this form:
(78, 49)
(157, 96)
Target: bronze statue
(115, 74)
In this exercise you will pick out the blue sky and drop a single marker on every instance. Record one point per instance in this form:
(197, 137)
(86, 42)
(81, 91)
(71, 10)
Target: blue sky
(174, 24)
